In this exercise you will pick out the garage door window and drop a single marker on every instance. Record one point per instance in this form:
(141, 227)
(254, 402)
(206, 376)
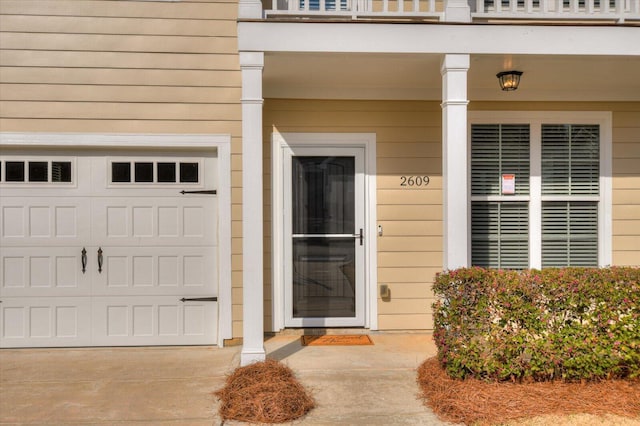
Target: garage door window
(36, 171)
(155, 172)
(536, 195)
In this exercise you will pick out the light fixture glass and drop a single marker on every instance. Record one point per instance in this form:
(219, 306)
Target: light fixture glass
(509, 80)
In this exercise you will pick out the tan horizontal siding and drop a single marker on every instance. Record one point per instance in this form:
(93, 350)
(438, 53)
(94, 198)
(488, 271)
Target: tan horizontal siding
(410, 290)
(408, 243)
(409, 213)
(626, 181)
(626, 212)
(133, 9)
(370, 120)
(411, 227)
(120, 25)
(420, 149)
(122, 126)
(405, 321)
(626, 184)
(120, 110)
(133, 77)
(102, 66)
(116, 93)
(118, 43)
(119, 60)
(407, 275)
(395, 197)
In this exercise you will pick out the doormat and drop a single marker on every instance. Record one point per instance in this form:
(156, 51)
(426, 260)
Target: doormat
(337, 340)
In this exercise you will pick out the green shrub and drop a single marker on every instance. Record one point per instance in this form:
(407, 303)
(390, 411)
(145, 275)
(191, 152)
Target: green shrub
(570, 323)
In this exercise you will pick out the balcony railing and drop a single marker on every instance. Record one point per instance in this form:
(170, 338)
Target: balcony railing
(565, 10)
(617, 10)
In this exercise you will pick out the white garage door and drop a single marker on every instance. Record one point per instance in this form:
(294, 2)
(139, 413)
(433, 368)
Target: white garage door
(101, 250)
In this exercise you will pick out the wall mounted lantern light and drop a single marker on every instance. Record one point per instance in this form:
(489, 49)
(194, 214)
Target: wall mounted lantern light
(509, 80)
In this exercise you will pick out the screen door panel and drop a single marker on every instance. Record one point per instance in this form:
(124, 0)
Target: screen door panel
(326, 283)
(323, 247)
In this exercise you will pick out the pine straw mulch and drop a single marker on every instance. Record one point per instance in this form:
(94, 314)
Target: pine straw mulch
(473, 401)
(263, 392)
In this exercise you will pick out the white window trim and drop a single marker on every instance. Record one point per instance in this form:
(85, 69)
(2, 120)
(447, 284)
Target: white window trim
(536, 118)
(282, 141)
(221, 142)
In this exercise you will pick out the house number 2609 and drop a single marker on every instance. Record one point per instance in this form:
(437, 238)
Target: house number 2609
(414, 180)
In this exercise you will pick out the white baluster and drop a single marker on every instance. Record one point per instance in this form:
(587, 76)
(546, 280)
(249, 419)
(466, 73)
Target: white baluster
(575, 6)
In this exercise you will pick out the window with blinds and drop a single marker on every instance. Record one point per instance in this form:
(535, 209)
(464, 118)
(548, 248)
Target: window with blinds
(560, 183)
(570, 159)
(498, 149)
(499, 224)
(571, 173)
(500, 234)
(569, 233)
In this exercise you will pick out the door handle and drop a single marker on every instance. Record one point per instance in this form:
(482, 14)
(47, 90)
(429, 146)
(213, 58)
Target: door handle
(360, 236)
(100, 259)
(84, 259)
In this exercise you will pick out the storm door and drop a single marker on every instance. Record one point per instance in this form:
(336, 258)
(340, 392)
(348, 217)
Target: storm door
(324, 237)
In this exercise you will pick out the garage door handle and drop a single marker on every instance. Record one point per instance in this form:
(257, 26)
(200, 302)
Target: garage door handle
(84, 260)
(100, 260)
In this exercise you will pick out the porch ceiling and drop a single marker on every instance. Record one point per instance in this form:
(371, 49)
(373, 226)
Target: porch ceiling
(417, 77)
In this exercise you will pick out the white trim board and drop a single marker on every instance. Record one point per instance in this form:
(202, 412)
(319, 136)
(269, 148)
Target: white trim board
(220, 142)
(281, 141)
(537, 118)
(410, 38)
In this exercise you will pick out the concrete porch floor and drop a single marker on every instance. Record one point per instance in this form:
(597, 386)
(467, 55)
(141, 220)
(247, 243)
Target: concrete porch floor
(173, 385)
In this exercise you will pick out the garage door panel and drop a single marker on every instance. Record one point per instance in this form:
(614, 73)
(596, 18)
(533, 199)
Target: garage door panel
(89, 257)
(45, 322)
(44, 221)
(182, 271)
(159, 320)
(158, 221)
(43, 272)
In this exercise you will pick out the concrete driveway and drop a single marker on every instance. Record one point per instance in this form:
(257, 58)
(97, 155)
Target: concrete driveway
(173, 385)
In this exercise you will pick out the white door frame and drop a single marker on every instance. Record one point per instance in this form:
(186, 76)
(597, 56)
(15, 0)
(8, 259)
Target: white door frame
(220, 142)
(281, 142)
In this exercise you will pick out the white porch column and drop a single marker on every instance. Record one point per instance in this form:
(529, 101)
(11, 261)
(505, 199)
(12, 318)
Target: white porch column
(251, 65)
(455, 160)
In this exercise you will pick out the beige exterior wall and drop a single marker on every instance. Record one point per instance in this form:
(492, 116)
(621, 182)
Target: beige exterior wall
(626, 185)
(125, 67)
(408, 138)
(408, 135)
